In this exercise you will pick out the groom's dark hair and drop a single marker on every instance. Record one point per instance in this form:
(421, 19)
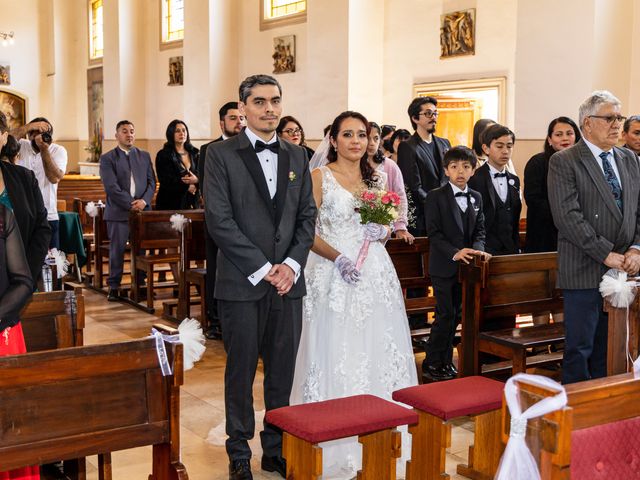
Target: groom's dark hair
(250, 82)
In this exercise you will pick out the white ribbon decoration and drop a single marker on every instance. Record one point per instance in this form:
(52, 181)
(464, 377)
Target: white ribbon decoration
(517, 462)
(192, 339)
(178, 221)
(60, 259)
(620, 291)
(91, 209)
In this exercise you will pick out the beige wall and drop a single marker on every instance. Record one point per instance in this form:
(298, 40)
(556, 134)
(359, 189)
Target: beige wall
(359, 54)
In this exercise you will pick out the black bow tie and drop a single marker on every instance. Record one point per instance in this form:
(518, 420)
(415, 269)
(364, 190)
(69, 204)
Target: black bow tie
(260, 146)
(498, 175)
(467, 195)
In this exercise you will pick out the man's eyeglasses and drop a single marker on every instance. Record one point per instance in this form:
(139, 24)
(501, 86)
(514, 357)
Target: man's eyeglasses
(292, 131)
(610, 118)
(429, 113)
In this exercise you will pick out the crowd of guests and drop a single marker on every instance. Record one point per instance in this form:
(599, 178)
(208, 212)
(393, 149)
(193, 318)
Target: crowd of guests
(581, 193)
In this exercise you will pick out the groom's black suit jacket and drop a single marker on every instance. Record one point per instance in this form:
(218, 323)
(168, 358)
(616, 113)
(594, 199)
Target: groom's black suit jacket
(248, 226)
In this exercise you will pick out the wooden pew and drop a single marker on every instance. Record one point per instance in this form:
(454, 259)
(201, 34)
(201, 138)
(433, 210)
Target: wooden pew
(507, 286)
(87, 222)
(192, 250)
(81, 186)
(148, 231)
(412, 266)
(53, 320)
(75, 402)
(617, 336)
(592, 437)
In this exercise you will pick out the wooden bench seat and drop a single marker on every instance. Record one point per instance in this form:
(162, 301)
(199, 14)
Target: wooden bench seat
(503, 287)
(512, 343)
(412, 267)
(149, 231)
(80, 401)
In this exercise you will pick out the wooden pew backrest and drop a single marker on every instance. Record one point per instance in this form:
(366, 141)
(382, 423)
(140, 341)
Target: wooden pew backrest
(80, 401)
(53, 320)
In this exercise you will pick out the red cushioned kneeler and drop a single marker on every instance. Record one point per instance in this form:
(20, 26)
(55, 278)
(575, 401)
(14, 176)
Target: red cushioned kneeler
(371, 418)
(436, 403)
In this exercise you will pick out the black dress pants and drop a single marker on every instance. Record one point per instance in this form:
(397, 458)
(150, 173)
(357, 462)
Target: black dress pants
(269, 328)
(448, 293)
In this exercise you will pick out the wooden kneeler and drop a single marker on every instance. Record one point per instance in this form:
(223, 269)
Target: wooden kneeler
(436, 404)
(372, 419)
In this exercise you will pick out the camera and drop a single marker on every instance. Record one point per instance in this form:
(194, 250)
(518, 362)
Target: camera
(46, 137)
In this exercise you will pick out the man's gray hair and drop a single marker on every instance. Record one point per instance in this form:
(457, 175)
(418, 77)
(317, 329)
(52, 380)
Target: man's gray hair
(250, 82)
(593, 103)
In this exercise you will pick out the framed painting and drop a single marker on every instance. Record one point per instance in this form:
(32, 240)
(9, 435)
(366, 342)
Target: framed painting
(458, 33)
(14, 107)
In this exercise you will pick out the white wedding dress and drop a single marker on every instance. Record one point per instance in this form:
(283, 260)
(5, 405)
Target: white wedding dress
(355, 338)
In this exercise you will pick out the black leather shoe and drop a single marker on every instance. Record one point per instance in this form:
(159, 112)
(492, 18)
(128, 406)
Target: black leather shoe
(114, 295)
(451, 369)
(274, 464)
(240, 470)
(436, 373)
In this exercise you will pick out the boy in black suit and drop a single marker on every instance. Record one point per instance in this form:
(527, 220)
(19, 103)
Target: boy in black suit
(500, 191)
(455, 227)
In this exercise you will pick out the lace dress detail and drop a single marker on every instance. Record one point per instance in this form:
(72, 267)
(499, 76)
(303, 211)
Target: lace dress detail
(355, 338)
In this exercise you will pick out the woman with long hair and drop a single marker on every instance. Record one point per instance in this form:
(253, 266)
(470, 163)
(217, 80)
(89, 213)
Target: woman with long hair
(392, 176)
(176, 166)
(291, 130)
(542, 235)
(355, 336)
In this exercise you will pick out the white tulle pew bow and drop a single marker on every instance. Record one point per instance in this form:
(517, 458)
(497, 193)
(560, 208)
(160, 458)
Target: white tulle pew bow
(178, 221)
(189, 335)
(620, 291)
(517, 462)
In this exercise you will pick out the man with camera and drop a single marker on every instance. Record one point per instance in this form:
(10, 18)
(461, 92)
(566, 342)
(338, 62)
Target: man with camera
(48, 161)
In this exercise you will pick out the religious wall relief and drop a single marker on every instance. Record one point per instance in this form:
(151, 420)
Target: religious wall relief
(458, 33)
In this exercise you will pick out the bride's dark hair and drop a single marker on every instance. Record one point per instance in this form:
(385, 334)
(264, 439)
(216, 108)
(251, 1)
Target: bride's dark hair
(368, 173)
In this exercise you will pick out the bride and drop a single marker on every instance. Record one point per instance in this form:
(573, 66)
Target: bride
(355, 335)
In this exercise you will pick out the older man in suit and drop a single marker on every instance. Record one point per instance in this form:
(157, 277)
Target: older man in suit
(594, 190)
(260, 212)
(129, 181)
(420, 157)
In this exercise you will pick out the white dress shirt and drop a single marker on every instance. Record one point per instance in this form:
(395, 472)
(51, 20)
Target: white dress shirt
(32, 160)
(500, 183)
(461, 201)
(269, 163)
(596, 151)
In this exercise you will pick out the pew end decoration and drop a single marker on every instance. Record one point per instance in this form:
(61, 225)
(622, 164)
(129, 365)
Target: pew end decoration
(59, 258)
(618, 288)
(517, 460)
(620, 291)
(189, 334)
(178, 222)
(375, 206)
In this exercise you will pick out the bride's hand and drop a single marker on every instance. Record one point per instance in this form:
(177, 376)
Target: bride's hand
(374, 232)
(347, 269)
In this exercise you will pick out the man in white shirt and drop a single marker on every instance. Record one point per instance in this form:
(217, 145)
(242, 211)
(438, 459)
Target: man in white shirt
(48, 161)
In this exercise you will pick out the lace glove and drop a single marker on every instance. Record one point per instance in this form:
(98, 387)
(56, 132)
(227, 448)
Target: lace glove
(347, 269)
(374, 232)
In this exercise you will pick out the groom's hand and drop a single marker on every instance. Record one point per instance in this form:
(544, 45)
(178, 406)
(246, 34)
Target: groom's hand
(281, 276)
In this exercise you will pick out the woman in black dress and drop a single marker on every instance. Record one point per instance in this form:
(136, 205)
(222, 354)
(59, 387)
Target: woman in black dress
(542, 235)
(176, 167)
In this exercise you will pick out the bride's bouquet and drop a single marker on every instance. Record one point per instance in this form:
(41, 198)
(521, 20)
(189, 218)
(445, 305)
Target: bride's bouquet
(375, 206)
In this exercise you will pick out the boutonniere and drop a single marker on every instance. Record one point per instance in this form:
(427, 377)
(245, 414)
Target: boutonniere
(473, 200)
(292, 176)
(512, 182)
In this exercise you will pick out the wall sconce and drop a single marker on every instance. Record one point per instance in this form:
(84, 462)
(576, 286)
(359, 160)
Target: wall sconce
(7, 38)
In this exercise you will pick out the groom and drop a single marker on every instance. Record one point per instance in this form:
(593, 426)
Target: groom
(261, 214)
